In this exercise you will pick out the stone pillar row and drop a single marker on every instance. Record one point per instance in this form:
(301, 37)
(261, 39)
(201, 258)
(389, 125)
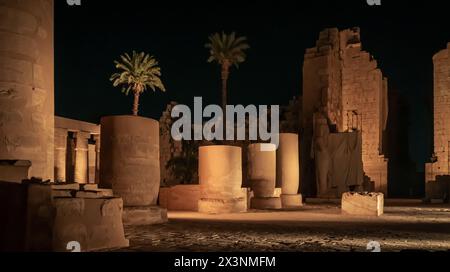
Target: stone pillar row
(220, 175)
(84, 157)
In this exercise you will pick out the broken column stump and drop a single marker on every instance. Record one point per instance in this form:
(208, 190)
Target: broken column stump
(220, 176)
(262, 176)
(288, 172)
(130, 166)
(62, 213)
(363, 204)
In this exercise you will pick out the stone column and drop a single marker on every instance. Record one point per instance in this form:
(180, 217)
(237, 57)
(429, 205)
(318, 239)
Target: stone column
(220, 175)
(288, 172)
(81, 171)
(130, 166)
(60, 154)
(262, 177)
(27, 84)
(97, 158)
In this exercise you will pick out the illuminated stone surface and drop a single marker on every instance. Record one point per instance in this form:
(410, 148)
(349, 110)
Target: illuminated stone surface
(344, 83)
(60, 154)
(130, 158)
(288, 172)
(15, 171)
(27, 84)
(370, 204)
(316, 228)
(49, 215)
(440, 169)
(220, 175)
(130, 166)
(261, 172)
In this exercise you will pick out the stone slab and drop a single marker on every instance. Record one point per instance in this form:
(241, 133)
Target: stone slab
(218, 206)
(144, 215)
(291, 201)
(267, 203)
(14, 171)
(95, 194)
(95, 224)
(363, 204)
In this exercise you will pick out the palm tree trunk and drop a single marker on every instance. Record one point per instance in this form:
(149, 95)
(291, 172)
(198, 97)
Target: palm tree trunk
(136, 104)
(225, 74)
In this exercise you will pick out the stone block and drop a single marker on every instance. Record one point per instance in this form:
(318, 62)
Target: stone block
(184, 198)
(95, 194)
(144, 215)
(291, 201)
(266, 203)
(363, 204)
(218, 206)
(95, 224)
(14, 171)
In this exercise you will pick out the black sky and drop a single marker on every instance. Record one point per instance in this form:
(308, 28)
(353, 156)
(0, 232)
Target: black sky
(402, 35)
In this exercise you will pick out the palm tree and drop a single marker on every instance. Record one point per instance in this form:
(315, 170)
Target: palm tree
(136, 74)
(226, 50)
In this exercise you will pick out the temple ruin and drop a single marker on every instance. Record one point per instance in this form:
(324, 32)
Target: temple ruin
(343, 84)
(437, 172)
(26, 84)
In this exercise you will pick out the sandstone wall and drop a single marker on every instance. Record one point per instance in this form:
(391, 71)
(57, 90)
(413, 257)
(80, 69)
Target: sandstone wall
(27, 84)
(441, 164)
(343, 82)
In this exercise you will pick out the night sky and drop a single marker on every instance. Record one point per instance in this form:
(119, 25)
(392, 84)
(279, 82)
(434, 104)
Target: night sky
(402, 35)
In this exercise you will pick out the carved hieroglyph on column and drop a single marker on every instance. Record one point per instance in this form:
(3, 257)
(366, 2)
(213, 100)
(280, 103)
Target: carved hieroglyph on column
(27, 84)
(344, 83)
(220, 175)
(129, 164)
(440, 168)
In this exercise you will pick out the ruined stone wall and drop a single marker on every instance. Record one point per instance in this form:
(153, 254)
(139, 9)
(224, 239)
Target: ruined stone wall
(27, 84)
(364, 96)
(321, 80)
(441, 164)
(343, 82)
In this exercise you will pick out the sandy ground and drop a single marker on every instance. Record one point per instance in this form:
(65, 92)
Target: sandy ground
(313, 228)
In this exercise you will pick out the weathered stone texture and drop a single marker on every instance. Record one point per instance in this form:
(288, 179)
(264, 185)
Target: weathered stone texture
(27, 84)
(441, 161)
(363, 204)
(342, 82)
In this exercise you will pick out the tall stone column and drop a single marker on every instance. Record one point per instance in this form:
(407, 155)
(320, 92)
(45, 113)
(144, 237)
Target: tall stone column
(81, 171)
(27, 84)
(288, 173)
(97, 158)
(60, 154)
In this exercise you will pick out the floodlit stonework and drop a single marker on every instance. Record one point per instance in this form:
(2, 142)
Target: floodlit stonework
(220, 175)
(77, 151)
(438, 171)
(27, 84)
(343, 83)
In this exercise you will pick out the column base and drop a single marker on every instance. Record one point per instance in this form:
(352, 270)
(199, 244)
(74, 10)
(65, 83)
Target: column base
(217, 206)
(291, 201)
(144, 215)
(266, 203)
